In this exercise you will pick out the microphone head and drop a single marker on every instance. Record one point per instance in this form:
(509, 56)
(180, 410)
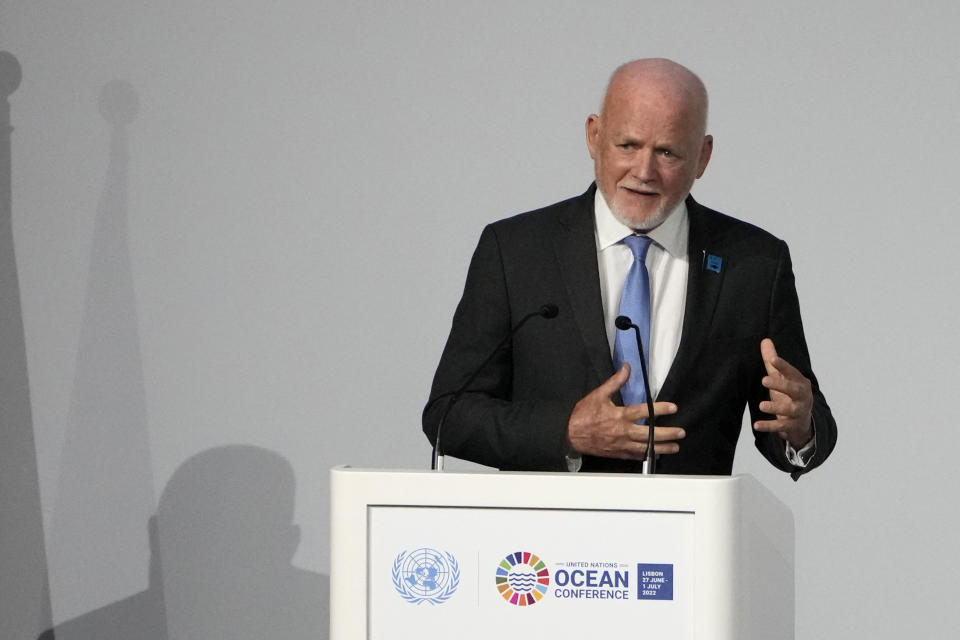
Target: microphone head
(623, 323)
(549, 311)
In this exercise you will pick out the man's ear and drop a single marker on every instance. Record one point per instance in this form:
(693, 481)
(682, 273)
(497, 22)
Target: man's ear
(593, 134)
(705, 152)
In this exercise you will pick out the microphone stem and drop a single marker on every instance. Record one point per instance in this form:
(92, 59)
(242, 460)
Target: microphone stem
(650, 463)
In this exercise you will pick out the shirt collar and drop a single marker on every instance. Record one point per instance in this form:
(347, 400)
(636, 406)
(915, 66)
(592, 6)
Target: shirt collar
(671, 235)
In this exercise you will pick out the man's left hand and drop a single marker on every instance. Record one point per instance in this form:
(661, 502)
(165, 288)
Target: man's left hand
(791, 399)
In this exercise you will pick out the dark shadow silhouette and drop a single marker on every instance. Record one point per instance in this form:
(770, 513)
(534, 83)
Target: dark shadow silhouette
(24, 596)
(220, 566)
(105, 490)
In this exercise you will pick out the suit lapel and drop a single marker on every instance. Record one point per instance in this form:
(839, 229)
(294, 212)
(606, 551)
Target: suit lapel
(576, 252)
(704, 280)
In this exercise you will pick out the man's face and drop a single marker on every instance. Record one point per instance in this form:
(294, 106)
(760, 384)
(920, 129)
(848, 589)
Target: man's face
(648, 148)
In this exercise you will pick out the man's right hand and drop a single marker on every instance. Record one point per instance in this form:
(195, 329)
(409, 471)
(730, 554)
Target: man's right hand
(598, 427)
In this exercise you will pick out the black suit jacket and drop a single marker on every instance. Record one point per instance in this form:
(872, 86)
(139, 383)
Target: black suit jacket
(515, 414)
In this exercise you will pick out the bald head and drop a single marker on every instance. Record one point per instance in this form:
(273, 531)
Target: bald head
(649, 141)
(674, 82)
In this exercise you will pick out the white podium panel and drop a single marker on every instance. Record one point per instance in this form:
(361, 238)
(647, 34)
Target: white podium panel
(558, 555)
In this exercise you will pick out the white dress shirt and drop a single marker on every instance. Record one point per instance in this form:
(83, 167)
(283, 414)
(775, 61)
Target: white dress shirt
(667, 265)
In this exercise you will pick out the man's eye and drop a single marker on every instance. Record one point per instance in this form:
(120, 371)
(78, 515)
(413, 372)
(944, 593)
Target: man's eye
(666, 153)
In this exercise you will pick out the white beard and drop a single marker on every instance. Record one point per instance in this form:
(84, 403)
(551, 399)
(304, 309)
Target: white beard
(643, 226)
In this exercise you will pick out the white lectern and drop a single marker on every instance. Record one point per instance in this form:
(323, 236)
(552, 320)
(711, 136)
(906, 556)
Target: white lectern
(558, 555)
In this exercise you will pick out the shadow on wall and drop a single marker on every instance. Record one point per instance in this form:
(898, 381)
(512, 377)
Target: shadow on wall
(105, 488)
(221, 545)
(24, 597)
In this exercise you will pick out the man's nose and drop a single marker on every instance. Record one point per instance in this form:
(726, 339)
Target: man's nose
(644, 166)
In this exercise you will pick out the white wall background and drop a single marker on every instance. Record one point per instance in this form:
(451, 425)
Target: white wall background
(305, 184)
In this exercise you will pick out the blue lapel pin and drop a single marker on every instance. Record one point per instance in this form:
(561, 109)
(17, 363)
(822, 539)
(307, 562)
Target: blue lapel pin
(714, 263)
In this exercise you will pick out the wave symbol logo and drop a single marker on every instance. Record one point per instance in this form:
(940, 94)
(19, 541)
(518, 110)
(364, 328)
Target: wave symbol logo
(522, 578)
(522, 582)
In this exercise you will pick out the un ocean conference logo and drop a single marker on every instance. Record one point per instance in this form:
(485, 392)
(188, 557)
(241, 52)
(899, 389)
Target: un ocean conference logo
(522, 578)
(426, 575)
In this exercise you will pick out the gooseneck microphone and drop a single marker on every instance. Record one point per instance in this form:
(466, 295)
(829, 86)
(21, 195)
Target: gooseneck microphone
(548, 312)
(623, 323)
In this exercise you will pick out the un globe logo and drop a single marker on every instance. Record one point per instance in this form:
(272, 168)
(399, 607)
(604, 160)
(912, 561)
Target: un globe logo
(426, 575)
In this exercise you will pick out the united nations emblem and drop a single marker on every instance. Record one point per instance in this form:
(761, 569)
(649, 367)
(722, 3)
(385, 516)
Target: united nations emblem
(426, 575)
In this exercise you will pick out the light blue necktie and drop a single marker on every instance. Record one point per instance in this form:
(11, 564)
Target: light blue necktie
(635, 304)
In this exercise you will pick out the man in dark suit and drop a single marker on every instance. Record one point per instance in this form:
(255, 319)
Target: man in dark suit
(724, 320)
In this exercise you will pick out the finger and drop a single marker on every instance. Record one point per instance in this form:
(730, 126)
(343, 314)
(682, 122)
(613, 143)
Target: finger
(783, 410)
(660, 434)
(769, 354)
(666, 448)
(614, 382)
(778, 407)
(640, 451)
(775, 364)
(793, 389)
(668, 434)
(789, 430)
(785, 369)
(770, 426)
(637, 412)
